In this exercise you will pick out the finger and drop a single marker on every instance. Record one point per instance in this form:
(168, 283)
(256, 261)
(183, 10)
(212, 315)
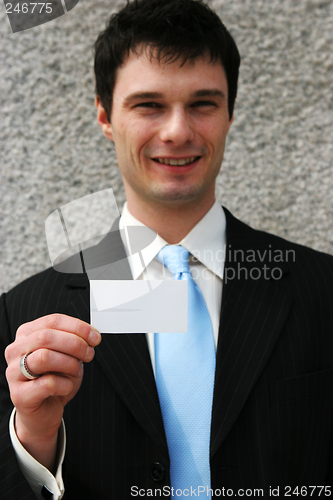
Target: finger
(44, 361)
(38, 390)
(61, 322)
(54, 340)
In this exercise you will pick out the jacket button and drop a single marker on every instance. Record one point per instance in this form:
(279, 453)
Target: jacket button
(157, 472)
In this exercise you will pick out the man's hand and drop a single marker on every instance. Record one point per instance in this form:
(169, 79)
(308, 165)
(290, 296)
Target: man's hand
(58, 345)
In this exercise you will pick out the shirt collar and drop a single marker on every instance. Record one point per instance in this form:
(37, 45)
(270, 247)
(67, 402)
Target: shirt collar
(206, 241)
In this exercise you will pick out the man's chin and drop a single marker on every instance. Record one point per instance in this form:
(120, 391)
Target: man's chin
(177, 196)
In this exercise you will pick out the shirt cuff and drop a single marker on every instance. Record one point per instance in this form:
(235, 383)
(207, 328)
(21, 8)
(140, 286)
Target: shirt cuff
(35, 473)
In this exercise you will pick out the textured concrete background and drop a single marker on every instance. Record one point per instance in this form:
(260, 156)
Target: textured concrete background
(277, 172)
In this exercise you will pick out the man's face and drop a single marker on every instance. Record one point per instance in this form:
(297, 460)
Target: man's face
(169, 125)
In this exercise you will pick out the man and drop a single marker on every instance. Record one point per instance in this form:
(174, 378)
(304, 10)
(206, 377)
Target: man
(166, 82)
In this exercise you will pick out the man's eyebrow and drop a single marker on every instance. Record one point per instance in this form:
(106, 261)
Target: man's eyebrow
(209, 93)
(142, 95)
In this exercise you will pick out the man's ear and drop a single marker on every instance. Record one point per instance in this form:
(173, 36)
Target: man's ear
(231, 120)
(102, 120)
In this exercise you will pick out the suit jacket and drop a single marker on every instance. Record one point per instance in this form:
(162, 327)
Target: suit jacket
(273, 397)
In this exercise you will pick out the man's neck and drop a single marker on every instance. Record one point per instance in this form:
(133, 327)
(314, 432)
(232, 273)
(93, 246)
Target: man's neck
(172, 223)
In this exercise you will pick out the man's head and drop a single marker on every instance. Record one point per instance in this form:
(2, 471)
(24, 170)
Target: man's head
(171, 30)
(166, 82)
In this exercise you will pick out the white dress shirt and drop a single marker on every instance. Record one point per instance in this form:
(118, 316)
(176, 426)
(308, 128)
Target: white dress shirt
(206, 244)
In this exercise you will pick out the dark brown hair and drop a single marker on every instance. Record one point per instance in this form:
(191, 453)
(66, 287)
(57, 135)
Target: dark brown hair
(170, 30)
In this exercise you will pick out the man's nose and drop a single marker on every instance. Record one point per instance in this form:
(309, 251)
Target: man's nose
(177, 128)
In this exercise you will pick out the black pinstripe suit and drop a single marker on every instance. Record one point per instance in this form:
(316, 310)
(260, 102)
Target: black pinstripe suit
(273, 399)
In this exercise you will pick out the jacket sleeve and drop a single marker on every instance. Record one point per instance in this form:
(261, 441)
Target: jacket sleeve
(13, 485)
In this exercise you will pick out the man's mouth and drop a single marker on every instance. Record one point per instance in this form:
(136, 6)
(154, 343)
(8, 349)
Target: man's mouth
(177, 162)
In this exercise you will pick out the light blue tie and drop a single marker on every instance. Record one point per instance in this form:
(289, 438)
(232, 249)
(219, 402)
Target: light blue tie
(185, 369)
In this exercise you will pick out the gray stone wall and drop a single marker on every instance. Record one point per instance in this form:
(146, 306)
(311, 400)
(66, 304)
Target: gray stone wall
(277, 172)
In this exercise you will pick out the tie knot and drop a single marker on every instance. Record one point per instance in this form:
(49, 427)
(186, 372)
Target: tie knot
(175, 258)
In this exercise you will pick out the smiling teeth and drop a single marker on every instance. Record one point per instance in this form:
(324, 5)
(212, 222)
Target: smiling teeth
(178, 163)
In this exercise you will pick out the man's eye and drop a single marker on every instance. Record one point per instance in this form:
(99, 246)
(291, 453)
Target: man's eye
(147, 105)
(204, 103)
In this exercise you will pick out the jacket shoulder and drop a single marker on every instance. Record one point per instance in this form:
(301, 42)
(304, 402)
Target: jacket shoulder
(44, 293)
(240, 231)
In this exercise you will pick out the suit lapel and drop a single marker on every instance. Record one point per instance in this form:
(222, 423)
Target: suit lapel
(253, 313)
(124, 358)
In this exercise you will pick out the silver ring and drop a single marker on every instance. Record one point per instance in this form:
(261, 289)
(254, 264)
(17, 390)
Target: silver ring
(25, 370)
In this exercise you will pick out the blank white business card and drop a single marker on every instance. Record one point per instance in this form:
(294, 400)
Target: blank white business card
(138, 306)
